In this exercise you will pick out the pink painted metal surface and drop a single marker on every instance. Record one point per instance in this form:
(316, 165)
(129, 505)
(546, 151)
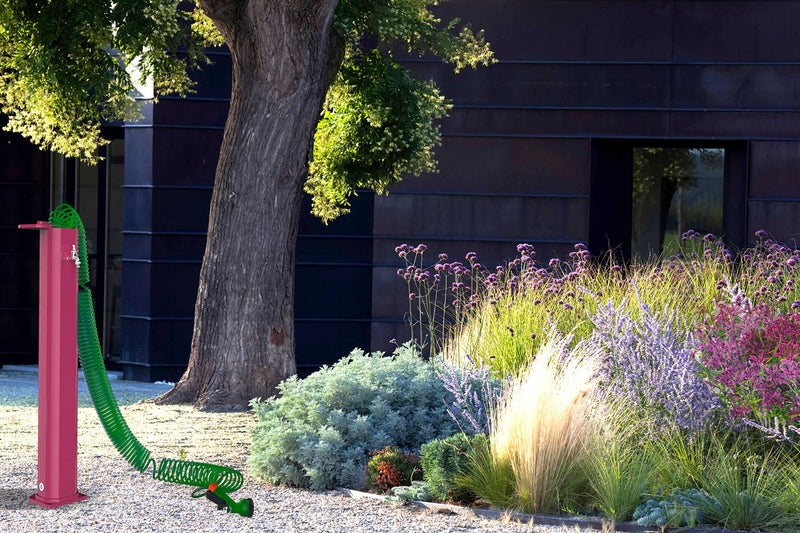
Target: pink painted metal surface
(58, 367)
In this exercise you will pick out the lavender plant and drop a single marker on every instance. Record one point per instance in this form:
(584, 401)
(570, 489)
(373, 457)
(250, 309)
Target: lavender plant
(474, 391)
(649, 362)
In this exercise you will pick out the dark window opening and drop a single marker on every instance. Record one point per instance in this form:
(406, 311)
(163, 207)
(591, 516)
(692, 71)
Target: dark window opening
(96, 192)
(674, 190)
(645, 194)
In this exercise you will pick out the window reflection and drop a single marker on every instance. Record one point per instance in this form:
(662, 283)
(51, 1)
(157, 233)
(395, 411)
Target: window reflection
(674, 189)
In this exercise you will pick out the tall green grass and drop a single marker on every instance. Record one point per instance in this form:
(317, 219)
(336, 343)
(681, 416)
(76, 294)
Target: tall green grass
(504, 323)
(505, 329)
(750, 486)
(619, 468)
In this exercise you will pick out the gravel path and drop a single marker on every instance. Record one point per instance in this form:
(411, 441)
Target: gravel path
(121, 499)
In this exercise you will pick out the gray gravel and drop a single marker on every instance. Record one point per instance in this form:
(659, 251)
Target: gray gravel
(121, 499)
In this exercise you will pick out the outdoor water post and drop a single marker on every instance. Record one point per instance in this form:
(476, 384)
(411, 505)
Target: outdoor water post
(58, 366)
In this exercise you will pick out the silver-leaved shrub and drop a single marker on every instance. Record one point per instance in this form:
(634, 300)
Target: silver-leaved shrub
(318, 432)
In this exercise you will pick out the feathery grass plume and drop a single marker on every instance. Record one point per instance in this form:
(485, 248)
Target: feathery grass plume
(540, 424)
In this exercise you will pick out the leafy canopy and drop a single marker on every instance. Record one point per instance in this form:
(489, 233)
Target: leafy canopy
(63, 65)
(68, 66)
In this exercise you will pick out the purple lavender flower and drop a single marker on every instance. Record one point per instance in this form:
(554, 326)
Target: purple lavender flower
(474, 390)
(761, 234)
(553, 262)
(647, 364)
(795, 305)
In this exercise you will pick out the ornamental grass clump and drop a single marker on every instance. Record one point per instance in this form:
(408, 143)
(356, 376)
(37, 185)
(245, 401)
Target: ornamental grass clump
(500, 315)
(318, 431)
(618, 467)
(539, 428)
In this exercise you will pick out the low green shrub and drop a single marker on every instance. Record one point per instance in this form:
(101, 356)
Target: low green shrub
(318, 431)
(444, 461)
(390, 467)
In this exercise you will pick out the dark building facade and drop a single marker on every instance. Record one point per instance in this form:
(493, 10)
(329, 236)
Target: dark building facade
(552, 145)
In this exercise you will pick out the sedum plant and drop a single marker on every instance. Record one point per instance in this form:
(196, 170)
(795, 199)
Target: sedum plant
(318, 431)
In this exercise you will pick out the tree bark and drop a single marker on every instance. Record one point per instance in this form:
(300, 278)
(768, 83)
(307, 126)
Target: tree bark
(283, 55)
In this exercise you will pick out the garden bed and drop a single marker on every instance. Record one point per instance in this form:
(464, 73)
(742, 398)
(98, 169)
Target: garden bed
(564, 521)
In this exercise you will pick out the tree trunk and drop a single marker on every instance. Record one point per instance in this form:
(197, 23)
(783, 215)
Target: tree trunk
(283, 62)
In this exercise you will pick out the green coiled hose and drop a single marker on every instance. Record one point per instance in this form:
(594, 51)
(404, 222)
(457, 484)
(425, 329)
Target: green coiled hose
(170, 470)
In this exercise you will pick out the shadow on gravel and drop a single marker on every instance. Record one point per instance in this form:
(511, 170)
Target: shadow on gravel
(17, 500)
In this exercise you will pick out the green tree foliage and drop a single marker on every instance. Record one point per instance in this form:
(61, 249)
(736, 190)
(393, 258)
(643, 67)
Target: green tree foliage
(379, 122)
(67, 66)
(63, 65)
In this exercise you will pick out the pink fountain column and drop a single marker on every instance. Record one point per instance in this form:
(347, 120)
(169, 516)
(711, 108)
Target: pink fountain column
(58, 366)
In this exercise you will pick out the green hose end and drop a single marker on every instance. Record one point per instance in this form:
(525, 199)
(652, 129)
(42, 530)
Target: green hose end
(220, 497)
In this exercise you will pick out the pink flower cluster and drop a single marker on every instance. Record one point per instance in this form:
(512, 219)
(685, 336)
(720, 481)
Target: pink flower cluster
(751, 359)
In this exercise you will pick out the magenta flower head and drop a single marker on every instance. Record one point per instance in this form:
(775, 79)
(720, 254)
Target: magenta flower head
(470, 256)
(411, 296)
(400, 271)
(761, 234)
(443, 257)
(616, 268)
(709, 237)
(401, 248)
(553, 262)
(795, 305)
(792, 261)
(420, 249)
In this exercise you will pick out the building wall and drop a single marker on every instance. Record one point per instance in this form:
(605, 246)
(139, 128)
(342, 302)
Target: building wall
(23, 200)
(534, 151)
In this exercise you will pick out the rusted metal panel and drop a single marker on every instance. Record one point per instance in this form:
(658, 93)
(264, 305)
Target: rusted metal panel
(736, 30)
(632, 85)
(767, 87)
(576, 123)
(506, 166)
(780, 218)
(477, 217)
(559, 30)
(775, 169)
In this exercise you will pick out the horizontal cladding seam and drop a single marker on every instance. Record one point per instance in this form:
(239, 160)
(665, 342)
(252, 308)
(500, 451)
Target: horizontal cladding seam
(679, 62)
(420, 192)
(588, 135)
(387, 236)
(297, 319)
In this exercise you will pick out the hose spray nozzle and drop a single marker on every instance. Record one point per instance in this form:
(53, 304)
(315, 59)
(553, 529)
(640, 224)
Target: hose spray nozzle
(223, 501)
